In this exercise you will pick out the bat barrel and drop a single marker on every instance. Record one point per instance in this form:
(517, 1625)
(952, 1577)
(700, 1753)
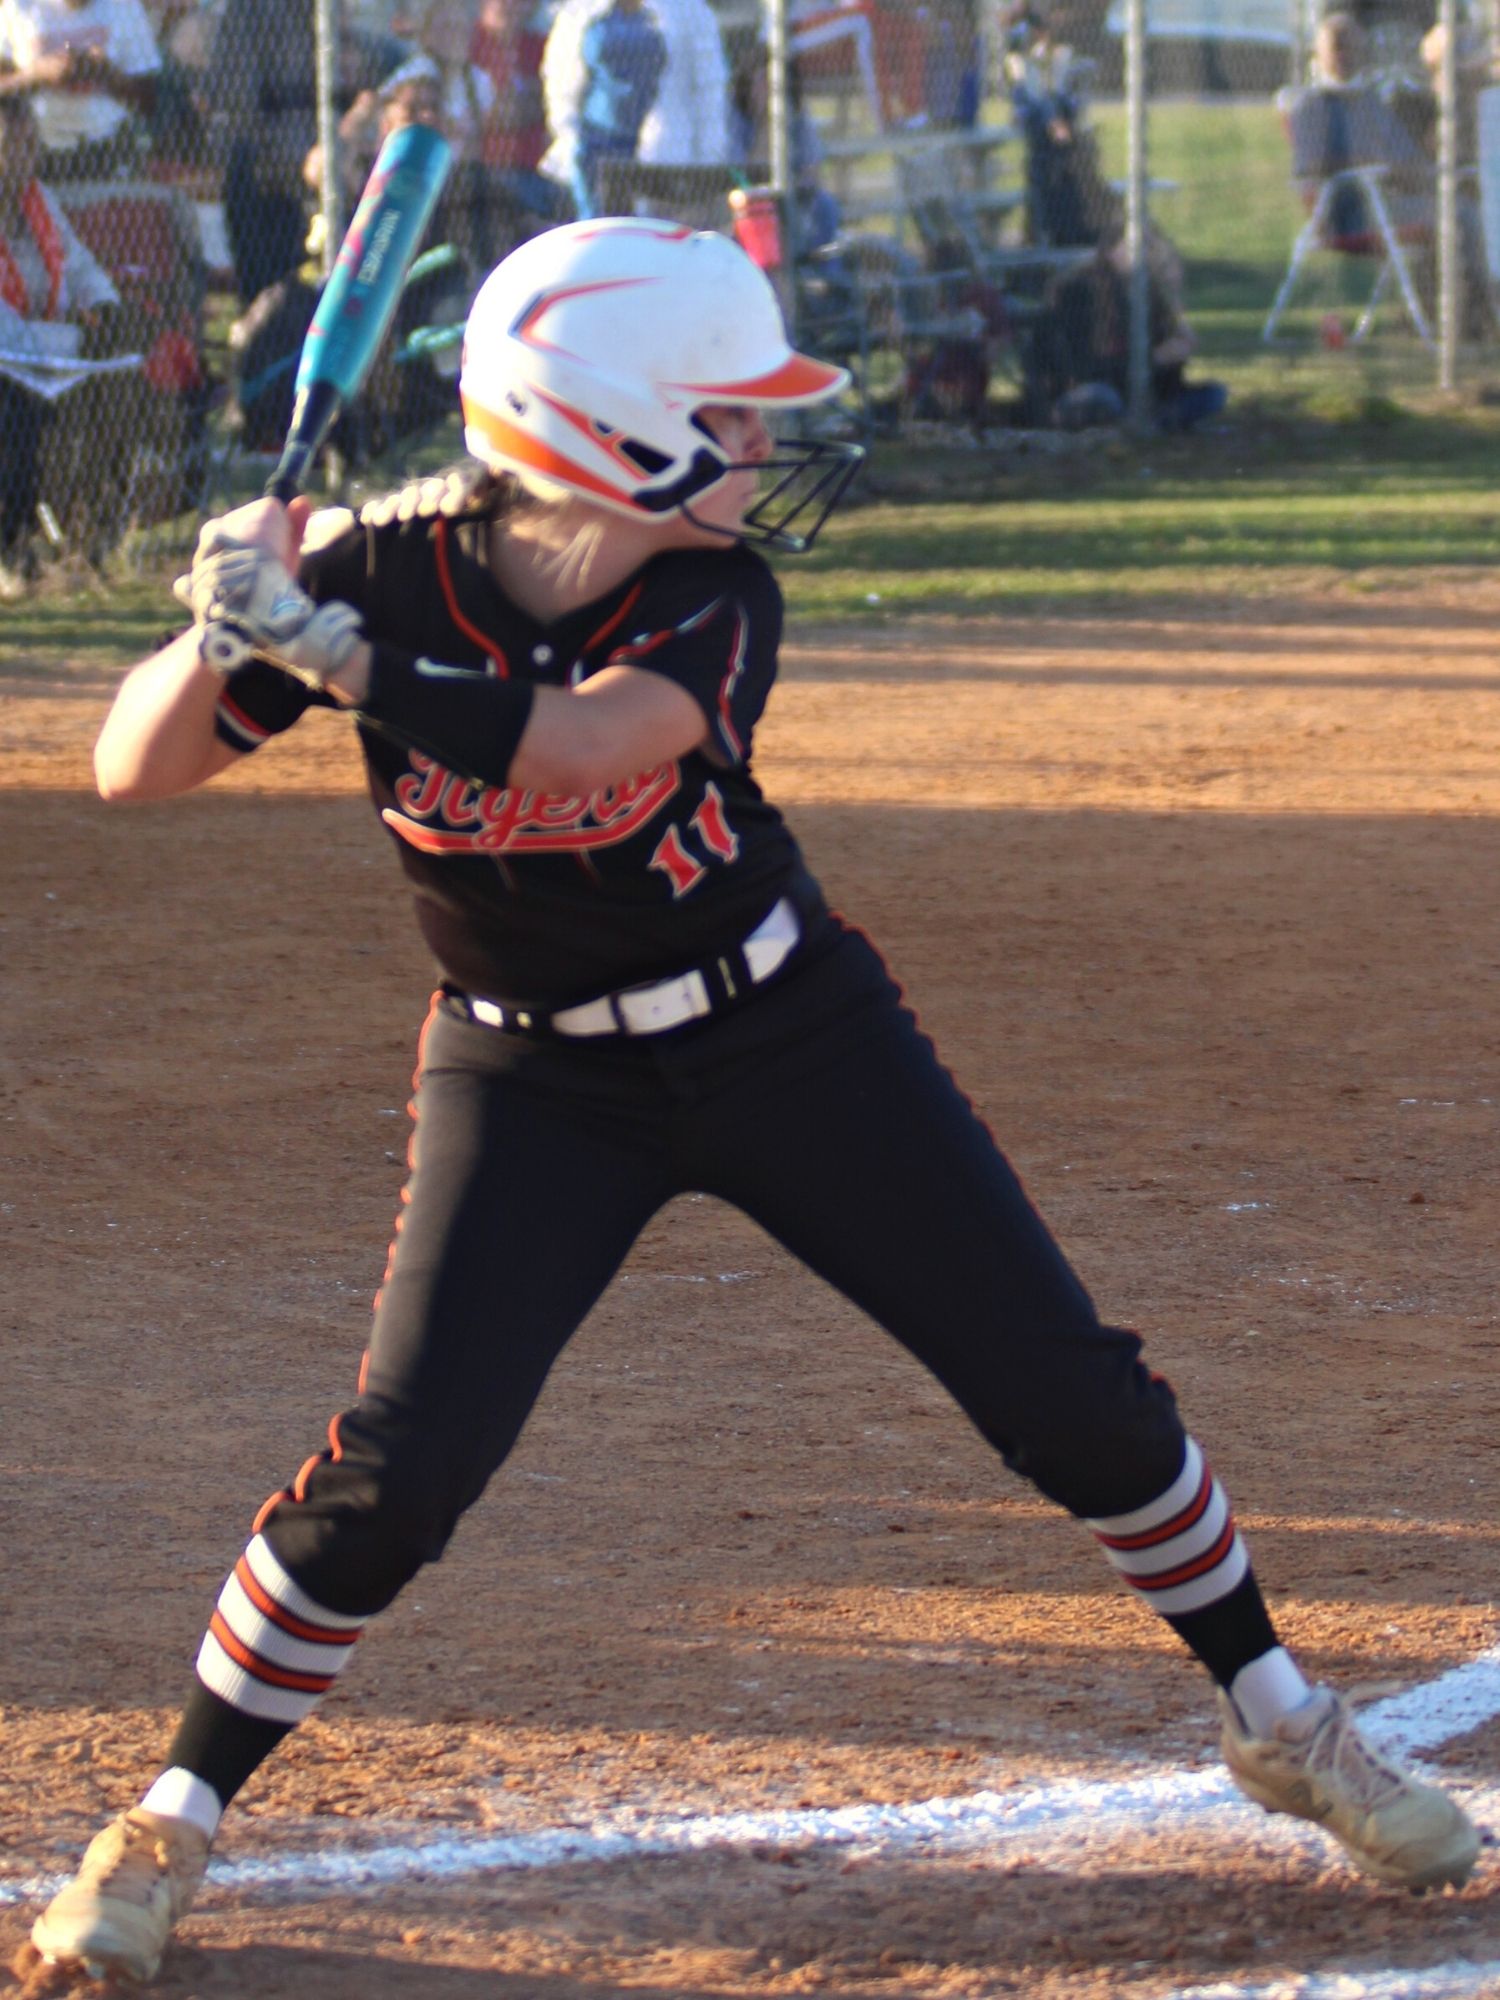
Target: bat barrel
(363, 290)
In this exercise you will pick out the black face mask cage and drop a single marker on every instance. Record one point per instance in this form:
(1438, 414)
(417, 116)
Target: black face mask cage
(807, 480)
(814, 475)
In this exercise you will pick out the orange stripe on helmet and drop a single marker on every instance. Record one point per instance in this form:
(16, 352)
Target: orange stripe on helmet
(526, 325)
(516, 445)
(798, 379)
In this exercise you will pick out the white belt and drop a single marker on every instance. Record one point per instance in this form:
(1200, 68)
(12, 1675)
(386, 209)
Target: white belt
(651, 1010)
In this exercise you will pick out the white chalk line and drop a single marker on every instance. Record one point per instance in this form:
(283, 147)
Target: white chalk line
(1459, 1979)
(1062, 1815)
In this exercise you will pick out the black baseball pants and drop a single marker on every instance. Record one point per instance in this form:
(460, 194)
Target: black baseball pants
(820, 1109)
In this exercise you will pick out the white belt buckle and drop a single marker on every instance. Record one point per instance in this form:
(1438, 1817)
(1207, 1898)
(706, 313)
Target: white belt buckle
(652, 1009)
(771, 941)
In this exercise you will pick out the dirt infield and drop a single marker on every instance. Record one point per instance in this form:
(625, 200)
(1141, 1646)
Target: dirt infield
(1202, 911)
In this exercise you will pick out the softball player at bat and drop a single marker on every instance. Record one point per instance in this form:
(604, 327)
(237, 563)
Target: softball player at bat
(556, 683)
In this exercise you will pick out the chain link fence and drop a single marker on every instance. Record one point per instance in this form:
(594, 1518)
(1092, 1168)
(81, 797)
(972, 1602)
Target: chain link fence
(1038, 219)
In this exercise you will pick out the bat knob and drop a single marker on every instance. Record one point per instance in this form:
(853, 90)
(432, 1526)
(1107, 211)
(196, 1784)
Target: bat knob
(223, 646)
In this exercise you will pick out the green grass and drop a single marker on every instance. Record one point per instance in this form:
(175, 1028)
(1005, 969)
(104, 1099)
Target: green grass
(1324, 504)
(1357, 498)
(91, 627)
(1234, 214)
(1324, 507)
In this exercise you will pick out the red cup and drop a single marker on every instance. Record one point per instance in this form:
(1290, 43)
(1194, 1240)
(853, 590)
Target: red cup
(757, 225)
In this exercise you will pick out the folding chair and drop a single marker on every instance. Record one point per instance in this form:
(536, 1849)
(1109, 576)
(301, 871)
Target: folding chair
(148, 462)
(1369, 190)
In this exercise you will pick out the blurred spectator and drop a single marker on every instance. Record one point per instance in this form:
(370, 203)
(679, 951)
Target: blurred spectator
(1341, 49)
(1346, 120)
(1361, 124)
(1081, 344)
(1473, 72)
(411, 95)
(1066, 198)
(601, 70)
(179, 136)
(261, 87)
(952, 61)
(445, 32)
(687, 123)
(816, 215)
(92, 66)
(56, 300)
(508, 48)
(438, 85)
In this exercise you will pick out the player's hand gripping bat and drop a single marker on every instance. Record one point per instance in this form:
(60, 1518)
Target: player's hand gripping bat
(352, 318)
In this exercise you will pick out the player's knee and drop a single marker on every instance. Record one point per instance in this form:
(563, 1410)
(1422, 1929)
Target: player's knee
(1108, 1431)
(362, 1523)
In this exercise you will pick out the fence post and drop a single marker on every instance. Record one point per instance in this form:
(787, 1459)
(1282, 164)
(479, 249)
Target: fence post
(329, 194)
(1135, 215)
(1449, 254)
(779, 126)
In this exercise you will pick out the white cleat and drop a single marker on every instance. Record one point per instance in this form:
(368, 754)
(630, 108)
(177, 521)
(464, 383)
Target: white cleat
(1316, 1765)
(136, 1879)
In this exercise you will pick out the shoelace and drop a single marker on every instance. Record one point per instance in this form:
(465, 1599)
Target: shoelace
(133, 1873)
(1337, 1747)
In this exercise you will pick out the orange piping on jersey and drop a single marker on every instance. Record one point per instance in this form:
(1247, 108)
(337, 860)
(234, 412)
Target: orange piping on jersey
(610, 623)
(493, 650)
(262, 1670)
(298, 1488)
(727, 686)
(411, 1165)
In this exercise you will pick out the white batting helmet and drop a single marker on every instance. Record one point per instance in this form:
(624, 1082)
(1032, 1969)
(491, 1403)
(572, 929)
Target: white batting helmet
(591, 349)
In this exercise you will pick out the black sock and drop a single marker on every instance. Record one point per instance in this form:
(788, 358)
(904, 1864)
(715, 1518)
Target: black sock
(219, 1744)
(1230, 1634)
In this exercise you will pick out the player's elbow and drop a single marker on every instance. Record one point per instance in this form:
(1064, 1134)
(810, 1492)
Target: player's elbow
(122, 779)
(117, 787)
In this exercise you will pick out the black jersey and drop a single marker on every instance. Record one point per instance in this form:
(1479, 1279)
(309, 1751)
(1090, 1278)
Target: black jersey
(530, 897)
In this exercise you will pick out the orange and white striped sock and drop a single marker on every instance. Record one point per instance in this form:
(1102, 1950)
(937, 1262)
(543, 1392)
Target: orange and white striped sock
(270, 1650)
(1182, 1551)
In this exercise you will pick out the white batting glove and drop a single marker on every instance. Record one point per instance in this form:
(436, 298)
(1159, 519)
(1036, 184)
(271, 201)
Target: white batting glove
(247, 605)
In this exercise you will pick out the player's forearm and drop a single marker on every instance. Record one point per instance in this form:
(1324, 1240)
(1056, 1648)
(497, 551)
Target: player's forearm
(158, 739)
(568, 742)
